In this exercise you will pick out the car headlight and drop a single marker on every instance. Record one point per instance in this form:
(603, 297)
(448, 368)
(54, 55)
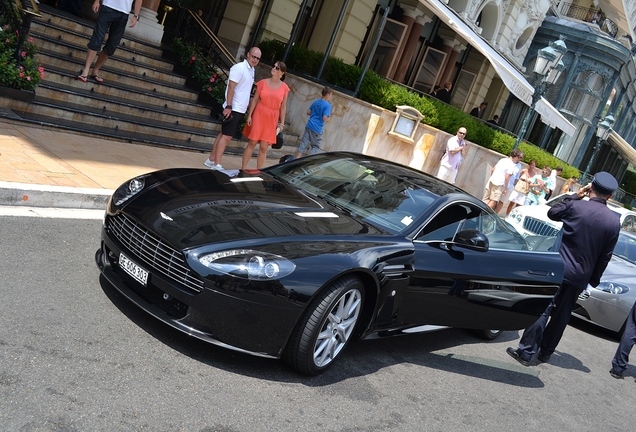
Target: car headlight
(612, 287)
(248, 264)
(128, 190)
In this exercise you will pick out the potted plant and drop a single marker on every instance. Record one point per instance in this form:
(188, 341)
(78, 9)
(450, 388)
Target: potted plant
(19, 75)
(213, 93)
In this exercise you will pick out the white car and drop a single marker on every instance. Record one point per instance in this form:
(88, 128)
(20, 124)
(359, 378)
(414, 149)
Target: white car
(533, 220)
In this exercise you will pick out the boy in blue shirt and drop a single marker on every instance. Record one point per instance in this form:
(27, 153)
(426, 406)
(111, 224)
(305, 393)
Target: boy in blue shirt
(319, 112)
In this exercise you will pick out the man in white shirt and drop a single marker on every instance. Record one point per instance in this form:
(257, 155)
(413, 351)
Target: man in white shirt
(499, 177)
(112, 18)
(455, 151)
(511, 185)
(237, 100)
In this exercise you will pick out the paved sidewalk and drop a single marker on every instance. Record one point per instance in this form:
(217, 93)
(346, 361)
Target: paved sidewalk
(40, 167)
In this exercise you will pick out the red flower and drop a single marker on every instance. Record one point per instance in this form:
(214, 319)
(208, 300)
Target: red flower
(209, 89)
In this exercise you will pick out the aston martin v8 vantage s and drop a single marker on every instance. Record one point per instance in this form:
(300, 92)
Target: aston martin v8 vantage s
(299, 259)
(610, 302)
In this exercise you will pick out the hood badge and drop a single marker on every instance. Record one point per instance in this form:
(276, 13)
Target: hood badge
(165, 216)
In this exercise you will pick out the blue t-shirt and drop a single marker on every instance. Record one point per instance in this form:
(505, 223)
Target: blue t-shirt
(318, 109)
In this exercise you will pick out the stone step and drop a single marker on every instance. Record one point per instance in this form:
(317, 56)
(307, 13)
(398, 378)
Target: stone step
(115, 69)
(70, 96)
(56, 39)
(140, 90)
(54, 18)
(120, 122)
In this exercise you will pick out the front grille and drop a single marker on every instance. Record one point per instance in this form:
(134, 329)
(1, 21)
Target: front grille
(539, 227)
(152, 251)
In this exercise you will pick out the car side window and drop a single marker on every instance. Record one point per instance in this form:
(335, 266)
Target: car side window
(464, 216)
(447, 222)
(629, 223)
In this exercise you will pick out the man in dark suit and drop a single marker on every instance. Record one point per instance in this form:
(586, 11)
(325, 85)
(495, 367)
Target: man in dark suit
(445, 94)
(619, 362)
(479, 111)
(589, 234)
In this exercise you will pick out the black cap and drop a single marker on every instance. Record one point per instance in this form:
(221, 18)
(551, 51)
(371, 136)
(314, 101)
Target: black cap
(604, 183)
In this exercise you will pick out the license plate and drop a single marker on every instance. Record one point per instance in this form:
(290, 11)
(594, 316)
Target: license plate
(133, 269)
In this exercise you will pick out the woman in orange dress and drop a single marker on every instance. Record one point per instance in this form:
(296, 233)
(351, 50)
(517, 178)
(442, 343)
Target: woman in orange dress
(265, 114)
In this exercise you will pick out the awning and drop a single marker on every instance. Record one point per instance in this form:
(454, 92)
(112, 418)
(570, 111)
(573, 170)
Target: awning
(622, 147)
(512, 78)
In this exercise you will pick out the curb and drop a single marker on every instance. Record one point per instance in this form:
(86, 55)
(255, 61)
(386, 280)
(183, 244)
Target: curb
(23, 194)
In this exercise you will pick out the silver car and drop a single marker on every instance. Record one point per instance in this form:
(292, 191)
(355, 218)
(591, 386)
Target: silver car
(608, 304)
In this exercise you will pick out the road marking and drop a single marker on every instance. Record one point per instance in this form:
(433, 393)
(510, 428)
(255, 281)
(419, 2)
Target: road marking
(46, 212)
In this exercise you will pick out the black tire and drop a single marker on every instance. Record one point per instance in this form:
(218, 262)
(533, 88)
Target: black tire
(321, 336)
(488, 334)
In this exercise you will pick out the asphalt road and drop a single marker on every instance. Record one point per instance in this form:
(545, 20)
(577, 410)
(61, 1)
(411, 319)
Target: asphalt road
(77, 356)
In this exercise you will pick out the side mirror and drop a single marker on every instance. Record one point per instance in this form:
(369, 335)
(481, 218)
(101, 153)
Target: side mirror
(472, 239)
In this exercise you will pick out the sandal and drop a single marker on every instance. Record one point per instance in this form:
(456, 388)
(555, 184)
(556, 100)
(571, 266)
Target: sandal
(97, 78)
(82, 78)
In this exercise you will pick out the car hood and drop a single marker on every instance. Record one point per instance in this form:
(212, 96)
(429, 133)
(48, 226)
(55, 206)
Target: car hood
(190, 208)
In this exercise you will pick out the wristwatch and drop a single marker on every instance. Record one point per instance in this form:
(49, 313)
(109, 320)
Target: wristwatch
(136, 17)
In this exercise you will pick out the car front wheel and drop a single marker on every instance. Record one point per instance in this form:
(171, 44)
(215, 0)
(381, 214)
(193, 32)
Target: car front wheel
(326, 327)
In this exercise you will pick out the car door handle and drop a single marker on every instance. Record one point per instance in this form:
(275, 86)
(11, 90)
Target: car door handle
(540, 272)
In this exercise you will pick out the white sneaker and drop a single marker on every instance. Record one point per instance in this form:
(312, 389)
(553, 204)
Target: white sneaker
(210, 164)
(217, 167)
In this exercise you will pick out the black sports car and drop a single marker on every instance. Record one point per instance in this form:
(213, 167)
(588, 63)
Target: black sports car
(299, 259)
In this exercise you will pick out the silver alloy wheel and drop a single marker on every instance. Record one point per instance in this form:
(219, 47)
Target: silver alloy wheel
(337, 328)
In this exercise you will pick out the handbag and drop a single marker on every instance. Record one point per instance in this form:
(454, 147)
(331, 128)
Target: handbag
(279, 141)
(522, 186)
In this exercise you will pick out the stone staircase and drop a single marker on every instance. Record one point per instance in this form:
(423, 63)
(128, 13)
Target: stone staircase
(142, 100)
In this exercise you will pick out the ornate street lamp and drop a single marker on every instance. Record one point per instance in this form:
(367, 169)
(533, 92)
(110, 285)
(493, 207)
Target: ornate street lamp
(549, 67)
(602, 133)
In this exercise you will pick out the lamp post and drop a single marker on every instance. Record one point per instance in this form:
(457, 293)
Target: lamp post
(549, 67)
(602, 133)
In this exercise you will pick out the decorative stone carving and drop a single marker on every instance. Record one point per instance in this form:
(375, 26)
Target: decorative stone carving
(531, 15)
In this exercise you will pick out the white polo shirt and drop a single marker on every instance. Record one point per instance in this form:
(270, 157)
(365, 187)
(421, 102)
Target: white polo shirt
(119, 5)
(243, 75)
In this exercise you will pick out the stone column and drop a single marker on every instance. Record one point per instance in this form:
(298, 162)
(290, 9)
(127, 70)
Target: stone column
(147, 28)
(452, 48)
(418, 22)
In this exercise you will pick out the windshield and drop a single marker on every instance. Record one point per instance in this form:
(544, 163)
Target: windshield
(381, 193)
(626, 247)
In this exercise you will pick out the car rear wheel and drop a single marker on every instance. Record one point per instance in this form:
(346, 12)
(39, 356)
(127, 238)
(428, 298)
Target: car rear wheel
(488, 334)
(326, 327)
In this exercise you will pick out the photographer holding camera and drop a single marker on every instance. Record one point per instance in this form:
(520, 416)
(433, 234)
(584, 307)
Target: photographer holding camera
(589, 234)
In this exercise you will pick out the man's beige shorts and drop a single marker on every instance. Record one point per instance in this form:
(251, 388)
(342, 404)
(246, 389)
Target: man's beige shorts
(493, 192)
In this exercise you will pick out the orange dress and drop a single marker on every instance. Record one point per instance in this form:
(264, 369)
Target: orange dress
(265, 115)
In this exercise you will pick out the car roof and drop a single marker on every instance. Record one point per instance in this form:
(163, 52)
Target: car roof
(620, 209)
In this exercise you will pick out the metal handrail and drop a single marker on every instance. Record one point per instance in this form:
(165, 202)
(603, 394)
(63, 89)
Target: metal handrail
(590, 14)
(193, 30)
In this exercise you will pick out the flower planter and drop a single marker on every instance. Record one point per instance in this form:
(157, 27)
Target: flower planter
(17, 94)
(193, 84)
(181, 70)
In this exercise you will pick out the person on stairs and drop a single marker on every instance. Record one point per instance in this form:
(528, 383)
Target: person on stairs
(112, 18)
